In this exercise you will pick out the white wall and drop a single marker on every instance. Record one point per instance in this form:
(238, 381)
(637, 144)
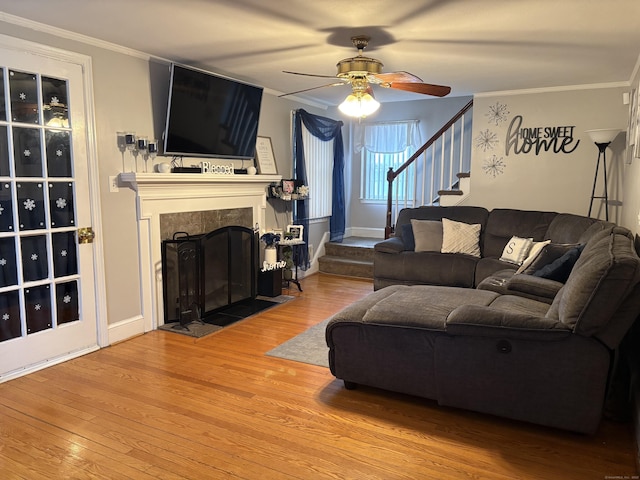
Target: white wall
(549, 180)
(130, 93)
(631, 184)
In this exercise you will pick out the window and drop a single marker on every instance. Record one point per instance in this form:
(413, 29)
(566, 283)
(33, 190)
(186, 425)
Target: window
(382, 146)
(319, 164)
(374, 186)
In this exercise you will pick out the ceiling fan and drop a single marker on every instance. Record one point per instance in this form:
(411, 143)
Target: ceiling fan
(361, 72)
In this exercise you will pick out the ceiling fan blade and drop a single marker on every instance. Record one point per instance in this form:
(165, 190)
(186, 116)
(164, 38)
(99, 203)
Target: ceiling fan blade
(392, 77)
(309, 74)
(337, 84)
(423, 88)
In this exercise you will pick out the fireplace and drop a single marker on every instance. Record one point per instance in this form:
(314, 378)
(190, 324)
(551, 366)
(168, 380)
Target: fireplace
(207, 273)
(159, 194)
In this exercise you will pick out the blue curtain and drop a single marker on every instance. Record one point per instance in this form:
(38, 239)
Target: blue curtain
(325, 129)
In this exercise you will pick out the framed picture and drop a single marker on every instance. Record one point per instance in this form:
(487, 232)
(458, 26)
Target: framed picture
(288, 186)
(265, 160)
(295, 231)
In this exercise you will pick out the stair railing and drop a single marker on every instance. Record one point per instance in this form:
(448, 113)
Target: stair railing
(443, 156)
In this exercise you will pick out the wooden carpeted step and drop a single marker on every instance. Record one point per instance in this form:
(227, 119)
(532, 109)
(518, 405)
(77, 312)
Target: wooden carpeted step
(353, 257)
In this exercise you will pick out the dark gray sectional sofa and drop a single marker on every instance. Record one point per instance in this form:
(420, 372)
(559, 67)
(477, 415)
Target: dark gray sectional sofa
(518, 346)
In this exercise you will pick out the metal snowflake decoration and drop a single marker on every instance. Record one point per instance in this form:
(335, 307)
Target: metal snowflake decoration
(66, 299)
(497, 113)
(494, 166)
(486, 140)
(61, 203)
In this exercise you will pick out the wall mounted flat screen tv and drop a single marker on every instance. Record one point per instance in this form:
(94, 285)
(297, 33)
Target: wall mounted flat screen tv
(210, 116)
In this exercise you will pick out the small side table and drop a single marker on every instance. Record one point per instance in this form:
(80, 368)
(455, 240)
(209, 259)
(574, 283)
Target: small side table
(295, 251)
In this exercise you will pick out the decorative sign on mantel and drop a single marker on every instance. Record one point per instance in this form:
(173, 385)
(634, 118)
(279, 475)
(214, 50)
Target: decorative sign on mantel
(208, 167)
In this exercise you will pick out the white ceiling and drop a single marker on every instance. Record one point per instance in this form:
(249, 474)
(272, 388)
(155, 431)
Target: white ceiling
(472, 45)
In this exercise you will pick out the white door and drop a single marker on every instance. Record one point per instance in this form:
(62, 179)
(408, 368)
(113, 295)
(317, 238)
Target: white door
(47, 298)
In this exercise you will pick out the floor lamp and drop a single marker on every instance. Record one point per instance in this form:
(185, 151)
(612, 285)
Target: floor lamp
(602, 138)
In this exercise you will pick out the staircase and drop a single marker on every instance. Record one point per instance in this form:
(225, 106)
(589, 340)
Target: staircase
(439, 163)
(351, 258)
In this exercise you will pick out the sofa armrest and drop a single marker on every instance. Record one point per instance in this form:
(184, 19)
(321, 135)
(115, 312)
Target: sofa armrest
(537, 286)
(390, 245)
(483, 321)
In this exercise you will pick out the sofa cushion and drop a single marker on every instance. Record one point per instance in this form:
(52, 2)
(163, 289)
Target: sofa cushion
(430, 305)
(601, 279)
(503, 224)
(427, 235)
(516, 250)
(570, 228)
(430, 268)
(466, 214)
(459, 237)
(407, 237)
(549, 254)
(534, 252)
(560, 269)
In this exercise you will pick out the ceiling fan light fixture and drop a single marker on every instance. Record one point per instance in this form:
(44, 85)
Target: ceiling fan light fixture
(359, 105)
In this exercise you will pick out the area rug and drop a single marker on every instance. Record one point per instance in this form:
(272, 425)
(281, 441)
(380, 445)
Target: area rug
(226, 316)
(308, 347)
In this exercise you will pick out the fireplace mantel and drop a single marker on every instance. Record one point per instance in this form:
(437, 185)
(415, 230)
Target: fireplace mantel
(160, 193)
(194, 184)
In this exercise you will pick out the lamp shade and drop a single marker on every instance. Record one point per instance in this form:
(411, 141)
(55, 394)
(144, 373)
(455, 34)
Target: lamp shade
(603, 135)
(359, 105)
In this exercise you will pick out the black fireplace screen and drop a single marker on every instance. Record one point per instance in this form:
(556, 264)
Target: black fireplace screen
(202, 274)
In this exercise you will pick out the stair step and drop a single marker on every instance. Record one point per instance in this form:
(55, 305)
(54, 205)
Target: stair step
(346, 266)
(450, 192)
(349, 251)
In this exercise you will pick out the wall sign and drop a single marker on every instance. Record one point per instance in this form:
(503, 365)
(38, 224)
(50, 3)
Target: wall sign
(520, 139)
(558, 139)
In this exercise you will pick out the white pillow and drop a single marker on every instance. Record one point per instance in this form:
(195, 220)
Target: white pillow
(458, 237)
(536, 248)
(516, 250)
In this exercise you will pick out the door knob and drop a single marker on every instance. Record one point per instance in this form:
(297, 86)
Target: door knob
(86, 235)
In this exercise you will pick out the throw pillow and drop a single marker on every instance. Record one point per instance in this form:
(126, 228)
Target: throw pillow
(549, 254)
(407, 237)
(458, 237)
(560, 269)
(516, 250)
(427, 235)
(535, 251)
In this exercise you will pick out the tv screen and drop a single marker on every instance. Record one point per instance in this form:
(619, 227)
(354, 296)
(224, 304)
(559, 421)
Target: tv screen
(210, 116)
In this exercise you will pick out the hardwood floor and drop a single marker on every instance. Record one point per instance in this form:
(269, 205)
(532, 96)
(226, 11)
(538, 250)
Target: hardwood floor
(167, 406)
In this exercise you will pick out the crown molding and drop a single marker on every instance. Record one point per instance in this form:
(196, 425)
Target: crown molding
(566, 88)
(59, 32)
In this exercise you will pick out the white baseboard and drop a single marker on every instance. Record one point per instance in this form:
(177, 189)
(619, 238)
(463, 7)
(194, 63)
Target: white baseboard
(47, 363)
(126, 329)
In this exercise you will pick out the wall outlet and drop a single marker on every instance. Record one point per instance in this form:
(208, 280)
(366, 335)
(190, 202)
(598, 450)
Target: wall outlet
(113, 184)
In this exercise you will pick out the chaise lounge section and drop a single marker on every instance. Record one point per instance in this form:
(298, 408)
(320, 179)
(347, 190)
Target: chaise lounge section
(502, 351)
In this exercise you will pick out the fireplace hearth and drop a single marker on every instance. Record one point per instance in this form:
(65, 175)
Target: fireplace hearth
(209, 277)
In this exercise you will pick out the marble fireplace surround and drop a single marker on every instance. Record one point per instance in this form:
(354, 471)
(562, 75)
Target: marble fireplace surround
(160, 194)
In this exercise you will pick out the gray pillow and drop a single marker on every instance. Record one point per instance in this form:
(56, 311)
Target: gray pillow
(427, 235)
